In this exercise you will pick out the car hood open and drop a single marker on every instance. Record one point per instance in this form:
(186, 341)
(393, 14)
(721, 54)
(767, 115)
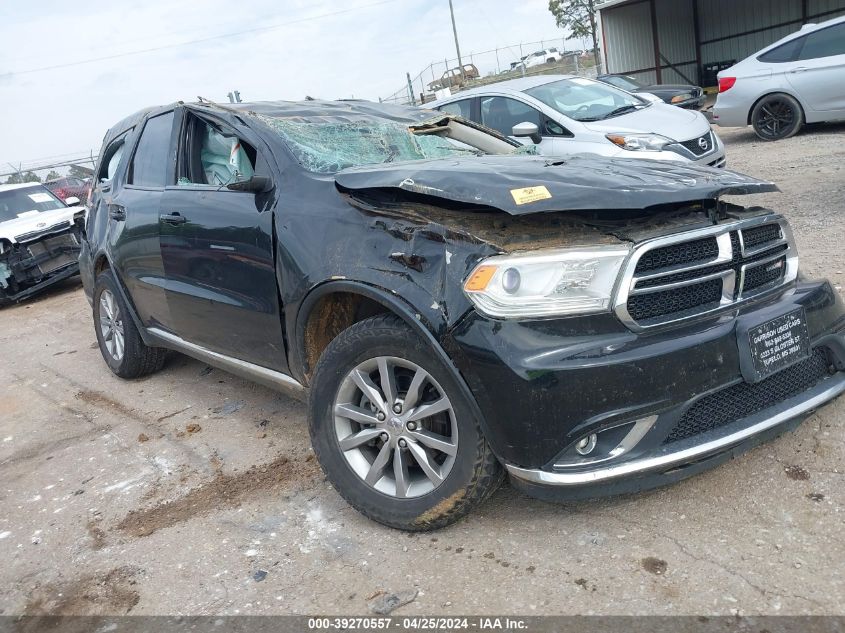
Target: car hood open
(521, 185)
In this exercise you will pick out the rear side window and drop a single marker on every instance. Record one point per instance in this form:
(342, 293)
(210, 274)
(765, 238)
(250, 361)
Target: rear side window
(825, 43)
(784, 53)
(149, 165)
(460, 108)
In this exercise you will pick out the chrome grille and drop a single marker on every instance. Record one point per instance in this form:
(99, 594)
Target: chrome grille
(674, 278)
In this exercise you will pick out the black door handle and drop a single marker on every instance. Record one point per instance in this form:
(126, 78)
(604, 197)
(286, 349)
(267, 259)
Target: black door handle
(117, 212)
(173, 218)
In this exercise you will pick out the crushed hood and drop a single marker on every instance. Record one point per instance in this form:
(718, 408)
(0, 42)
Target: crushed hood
(521, 185)
(19, 229)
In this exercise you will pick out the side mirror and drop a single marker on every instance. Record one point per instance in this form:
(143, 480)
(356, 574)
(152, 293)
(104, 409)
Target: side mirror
(71, 201)
(649, 97)
(526, 129)
(256, 184)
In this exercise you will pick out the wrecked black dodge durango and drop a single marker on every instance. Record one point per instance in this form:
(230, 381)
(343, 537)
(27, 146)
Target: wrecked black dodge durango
(452, 308)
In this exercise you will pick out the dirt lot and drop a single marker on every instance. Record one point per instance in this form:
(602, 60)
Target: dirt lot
(193, 492)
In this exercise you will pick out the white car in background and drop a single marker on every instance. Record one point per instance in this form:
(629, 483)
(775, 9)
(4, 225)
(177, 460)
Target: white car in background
(798, 79)
(40, 237)
(564, 114)
(546, 56)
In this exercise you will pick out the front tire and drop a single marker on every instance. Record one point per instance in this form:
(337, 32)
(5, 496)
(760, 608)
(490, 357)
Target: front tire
(120, 343)
(393, 430)
(777, 117)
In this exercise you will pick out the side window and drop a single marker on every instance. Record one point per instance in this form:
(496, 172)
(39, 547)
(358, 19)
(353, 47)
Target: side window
(502, 113)
(825, 43)
(150, 162)
(214, 155)
(460, 108)
(784, 53)
(111, 159)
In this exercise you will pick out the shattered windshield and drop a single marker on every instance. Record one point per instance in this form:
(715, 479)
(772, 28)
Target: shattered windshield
(329, 144)
(19, 203)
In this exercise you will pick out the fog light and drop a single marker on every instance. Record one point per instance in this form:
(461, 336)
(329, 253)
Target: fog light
(586, 445)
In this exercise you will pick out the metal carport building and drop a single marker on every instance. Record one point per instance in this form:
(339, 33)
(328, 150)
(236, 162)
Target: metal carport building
(688, 41)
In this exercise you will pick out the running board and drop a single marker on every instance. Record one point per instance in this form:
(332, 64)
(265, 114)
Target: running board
(267, 377)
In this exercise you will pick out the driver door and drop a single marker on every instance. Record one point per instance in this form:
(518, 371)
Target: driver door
(218, 246)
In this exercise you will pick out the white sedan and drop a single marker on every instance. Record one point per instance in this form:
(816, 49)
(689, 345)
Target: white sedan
(565, 115)
(798, 79)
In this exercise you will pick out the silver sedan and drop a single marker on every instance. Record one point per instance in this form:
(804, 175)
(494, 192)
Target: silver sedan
(565, 115)
(798, 79)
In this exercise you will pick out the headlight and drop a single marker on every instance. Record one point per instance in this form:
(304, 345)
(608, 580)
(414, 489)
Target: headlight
(682, 97)
(640, 142)
(547, 283)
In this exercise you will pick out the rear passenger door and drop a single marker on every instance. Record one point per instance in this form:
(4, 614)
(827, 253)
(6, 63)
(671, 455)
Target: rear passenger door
(218, 246)
(818, 73)
(132, 209)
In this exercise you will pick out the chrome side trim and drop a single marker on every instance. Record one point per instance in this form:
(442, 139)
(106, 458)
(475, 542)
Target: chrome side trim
(268, 377)
(690, 454)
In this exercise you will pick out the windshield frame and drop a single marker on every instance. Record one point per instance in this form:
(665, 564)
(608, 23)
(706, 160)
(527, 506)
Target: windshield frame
(624, 101)
(27, 191)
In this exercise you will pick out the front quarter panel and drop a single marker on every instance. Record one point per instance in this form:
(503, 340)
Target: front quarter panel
(324, 236)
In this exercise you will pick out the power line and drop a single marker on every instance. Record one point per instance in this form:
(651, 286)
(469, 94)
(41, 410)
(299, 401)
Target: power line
(202, 40)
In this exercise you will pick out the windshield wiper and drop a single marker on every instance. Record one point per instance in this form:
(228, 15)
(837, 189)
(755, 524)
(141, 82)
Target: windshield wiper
(618, 111)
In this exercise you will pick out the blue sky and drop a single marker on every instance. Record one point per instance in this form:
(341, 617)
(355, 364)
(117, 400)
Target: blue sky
(364, 52)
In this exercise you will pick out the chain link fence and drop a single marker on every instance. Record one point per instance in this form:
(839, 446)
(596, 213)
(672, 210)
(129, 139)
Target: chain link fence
(498, 64)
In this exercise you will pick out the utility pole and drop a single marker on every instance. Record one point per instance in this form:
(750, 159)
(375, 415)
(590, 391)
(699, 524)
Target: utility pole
(457, 46)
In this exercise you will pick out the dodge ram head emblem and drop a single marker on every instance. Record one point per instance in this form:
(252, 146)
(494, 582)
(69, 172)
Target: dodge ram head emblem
(703, 143)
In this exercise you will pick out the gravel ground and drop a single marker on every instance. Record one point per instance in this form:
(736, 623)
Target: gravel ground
(194, 492)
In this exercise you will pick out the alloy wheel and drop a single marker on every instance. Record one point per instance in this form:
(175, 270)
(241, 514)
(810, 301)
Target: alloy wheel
(395, 427)
(111, 325)
(775, 118)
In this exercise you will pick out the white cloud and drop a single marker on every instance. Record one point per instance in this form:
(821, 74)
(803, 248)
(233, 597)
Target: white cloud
(364, 52)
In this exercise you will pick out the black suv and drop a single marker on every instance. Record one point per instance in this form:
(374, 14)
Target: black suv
(453, 307)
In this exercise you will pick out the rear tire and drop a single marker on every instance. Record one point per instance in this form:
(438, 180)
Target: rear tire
(777, 116)
(410, 453)
(120, 343)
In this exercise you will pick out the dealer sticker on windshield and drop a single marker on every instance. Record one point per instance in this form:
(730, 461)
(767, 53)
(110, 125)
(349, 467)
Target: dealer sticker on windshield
(530, 194)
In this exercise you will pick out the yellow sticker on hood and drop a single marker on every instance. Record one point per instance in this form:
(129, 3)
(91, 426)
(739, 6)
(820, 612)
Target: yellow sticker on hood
(530, 194)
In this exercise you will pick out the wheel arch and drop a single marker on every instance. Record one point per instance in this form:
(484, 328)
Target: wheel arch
(101, 263)
(789, 93)
(334, 306)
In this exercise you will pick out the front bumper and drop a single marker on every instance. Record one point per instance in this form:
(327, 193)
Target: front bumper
(543, 385)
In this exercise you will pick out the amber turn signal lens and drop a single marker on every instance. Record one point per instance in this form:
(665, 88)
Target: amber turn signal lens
(479, 279)
(616, 139)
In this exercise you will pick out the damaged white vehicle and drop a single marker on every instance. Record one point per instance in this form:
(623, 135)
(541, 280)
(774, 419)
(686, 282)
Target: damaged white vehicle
(39, 239)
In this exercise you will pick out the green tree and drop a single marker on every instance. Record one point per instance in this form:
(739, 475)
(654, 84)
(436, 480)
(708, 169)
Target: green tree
(17, 178)
(52, 175)
(78, 171)
(579, 18)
